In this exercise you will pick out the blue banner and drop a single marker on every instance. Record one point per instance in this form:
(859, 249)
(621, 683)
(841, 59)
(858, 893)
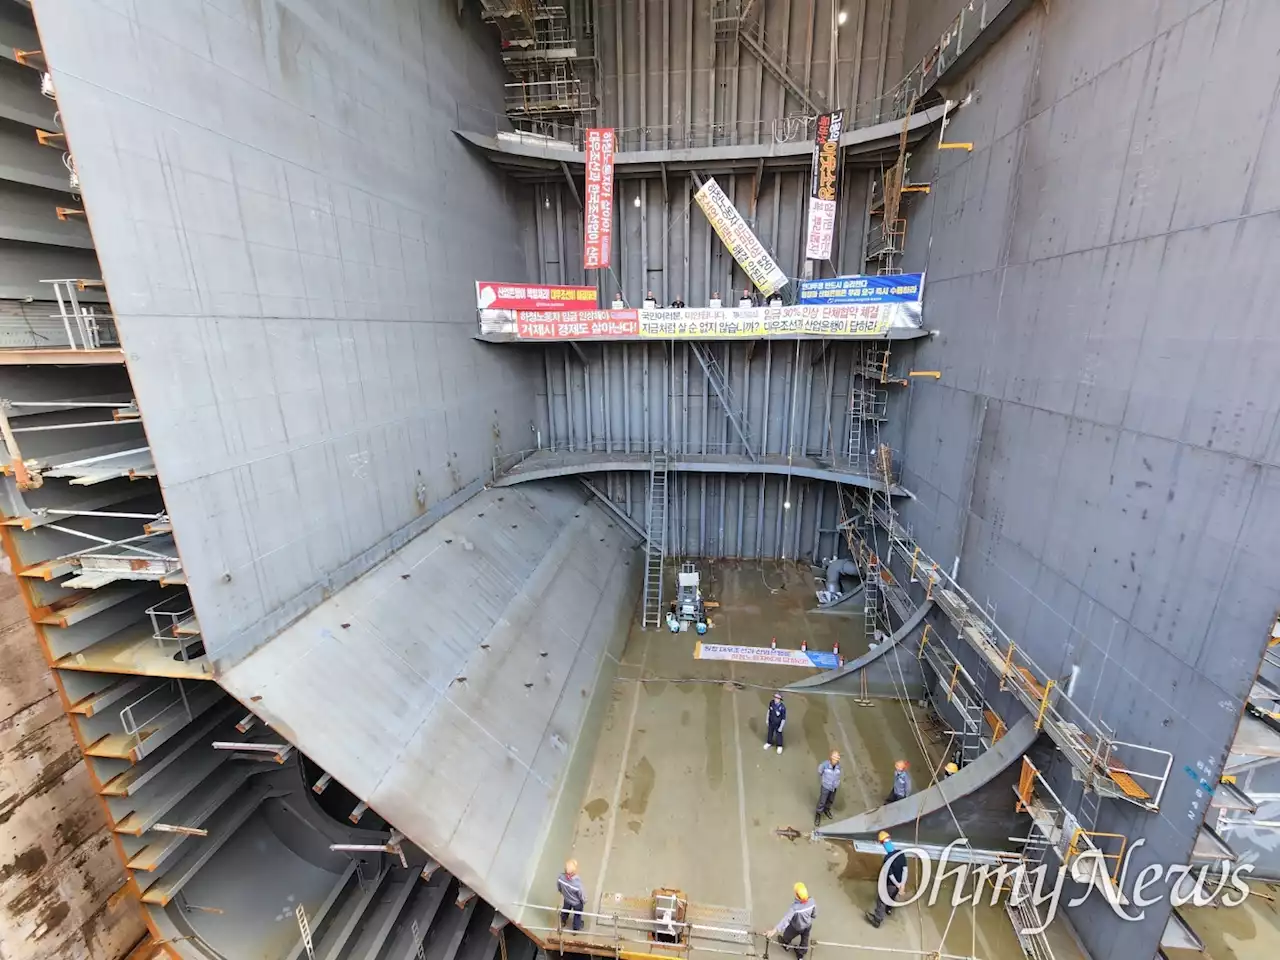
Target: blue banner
(894, 288)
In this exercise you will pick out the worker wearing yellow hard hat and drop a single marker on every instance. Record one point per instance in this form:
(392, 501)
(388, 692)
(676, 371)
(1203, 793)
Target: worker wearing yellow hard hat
(797, 922)
(951, 769)
(893, 877)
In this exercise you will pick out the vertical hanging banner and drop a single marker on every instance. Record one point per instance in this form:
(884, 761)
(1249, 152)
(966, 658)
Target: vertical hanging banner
(738, 238)
(822, 186)
(597, 223)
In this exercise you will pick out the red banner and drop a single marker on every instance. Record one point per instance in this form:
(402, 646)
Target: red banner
(532, 296)
(533, 325)
(597, 216)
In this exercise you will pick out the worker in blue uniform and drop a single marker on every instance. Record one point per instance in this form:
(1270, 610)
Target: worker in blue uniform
(573, 896)
(901, 782)
(829, 774)
(797, 922)
(893, 873)
(774, 722)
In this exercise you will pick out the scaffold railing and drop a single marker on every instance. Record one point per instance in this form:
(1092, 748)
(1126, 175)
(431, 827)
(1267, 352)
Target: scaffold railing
(626, 936)
(1124, 770)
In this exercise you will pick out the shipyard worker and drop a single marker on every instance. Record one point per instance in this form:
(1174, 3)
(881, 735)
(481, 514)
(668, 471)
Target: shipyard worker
(776, 720)
(746, 300)
(677, 303)
(950, 770)
(797, 922)
(893, 877)
(829, 774)
(617, 301)
(649, 302)
(901, 782)
(572, 895)
(715, 303)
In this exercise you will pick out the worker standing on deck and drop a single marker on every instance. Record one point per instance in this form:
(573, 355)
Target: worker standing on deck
(829, 774)
(893, 877)
(797, 922)
(901, 782)
(572, 895)
(775, 721)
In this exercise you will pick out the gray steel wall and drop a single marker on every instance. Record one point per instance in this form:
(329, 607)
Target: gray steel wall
(661, 68)
(642, 397)
(289, 235)
(666, 246)
(719, 92)
(1100, 271)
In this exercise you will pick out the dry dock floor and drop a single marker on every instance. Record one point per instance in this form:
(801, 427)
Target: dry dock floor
(1250, 931)
(682, 794)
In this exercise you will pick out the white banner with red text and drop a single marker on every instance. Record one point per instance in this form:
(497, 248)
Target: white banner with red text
(727, 323)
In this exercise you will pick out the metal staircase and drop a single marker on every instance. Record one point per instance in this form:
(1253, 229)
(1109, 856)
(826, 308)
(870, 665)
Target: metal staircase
(655, 541)
(724, 392)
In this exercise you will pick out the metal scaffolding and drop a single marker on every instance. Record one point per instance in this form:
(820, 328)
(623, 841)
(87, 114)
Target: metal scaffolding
(541, 49)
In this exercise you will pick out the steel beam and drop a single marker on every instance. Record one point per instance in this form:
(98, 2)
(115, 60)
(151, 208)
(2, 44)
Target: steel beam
(755, 45)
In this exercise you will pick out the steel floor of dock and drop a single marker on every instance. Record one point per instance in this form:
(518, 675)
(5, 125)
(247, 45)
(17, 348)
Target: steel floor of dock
(682, 794)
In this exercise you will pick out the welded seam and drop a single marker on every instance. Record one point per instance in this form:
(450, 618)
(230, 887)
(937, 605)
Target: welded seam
(611, 829)
(742, 787)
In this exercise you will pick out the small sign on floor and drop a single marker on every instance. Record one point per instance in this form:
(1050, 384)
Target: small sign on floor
(767, 655)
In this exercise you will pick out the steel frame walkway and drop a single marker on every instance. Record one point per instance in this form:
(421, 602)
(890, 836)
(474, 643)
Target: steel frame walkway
(1093, 753)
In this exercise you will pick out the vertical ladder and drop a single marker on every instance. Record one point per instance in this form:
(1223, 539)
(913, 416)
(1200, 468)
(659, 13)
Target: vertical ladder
(871, 596)
(655, 541)
(856, 449)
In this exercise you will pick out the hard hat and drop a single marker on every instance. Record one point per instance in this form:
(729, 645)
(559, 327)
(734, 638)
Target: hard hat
(951, 768)
(802, 892)
(901, 765)
(571, 867)
(884, 835)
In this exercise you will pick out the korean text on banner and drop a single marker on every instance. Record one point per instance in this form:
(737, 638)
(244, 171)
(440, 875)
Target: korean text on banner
(530, 296)
(783, 658)
(750, 323)
(738, 238)
(577, 325)
(891, 288)
(823, 186)
(597, 210)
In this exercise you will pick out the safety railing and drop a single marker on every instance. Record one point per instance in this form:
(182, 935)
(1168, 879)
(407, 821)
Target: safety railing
(688, 452)
(792, 128)
(138, 717)
(77, 324)
(173, 620)
(1115, 768)
(623, 936)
